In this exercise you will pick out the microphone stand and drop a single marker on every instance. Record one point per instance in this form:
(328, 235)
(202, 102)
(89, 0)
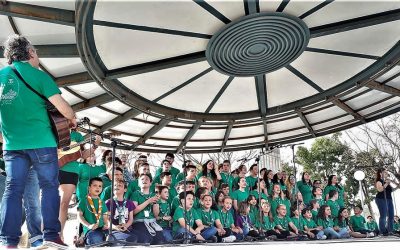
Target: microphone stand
(111, 240)
(185, 235)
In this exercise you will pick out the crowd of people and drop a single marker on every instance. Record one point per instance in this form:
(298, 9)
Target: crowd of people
(207, 204)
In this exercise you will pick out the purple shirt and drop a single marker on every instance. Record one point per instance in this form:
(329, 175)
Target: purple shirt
(243, 221)
(124, 210)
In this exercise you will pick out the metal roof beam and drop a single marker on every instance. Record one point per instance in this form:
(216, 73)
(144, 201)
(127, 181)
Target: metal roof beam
(53, 51)
(226, 136)
(212, 11)
(120, 119)
(37, 13)
(355, 23)
(347, 108)
(188, 136)
(306, 123)
(315, 9)
(251, 6)
(74, 79)
(151, 132)
(90, 103)
(262, 101)
(282, 6)
(157, 65)
(383, 88)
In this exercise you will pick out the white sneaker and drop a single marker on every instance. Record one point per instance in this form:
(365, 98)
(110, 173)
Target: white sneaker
(370, 235)
(231, 238)
(323, 237)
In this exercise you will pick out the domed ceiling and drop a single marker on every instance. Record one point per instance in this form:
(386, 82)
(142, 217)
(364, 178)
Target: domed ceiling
(213, 76)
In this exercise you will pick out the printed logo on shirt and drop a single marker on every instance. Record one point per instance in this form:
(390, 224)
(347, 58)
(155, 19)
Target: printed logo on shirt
(9, 89)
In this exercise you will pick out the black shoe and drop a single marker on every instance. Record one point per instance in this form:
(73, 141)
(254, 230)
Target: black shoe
(214, 239)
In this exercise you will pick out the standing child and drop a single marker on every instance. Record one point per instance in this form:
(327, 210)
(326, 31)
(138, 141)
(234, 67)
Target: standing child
(123, 213)
(314, 209)
(162, 212)
(92, 214)
(317, 193)
(324, 220)
(227, 221)
(333, 204)
(241, 194)
(243, 221)
(310, 227)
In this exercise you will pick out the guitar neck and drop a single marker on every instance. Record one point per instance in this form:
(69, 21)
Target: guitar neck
(77, 144)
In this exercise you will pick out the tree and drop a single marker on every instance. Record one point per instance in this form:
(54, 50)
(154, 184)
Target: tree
(329, 155)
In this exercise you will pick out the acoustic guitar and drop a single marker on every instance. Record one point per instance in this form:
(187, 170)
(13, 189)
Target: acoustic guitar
(71, 152)
(60, 127)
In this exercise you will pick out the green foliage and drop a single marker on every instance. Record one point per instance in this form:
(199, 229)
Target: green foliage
(328, 155)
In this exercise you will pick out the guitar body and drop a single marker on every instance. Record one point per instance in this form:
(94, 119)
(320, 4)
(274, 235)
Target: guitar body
(67, 156)
(60, 127)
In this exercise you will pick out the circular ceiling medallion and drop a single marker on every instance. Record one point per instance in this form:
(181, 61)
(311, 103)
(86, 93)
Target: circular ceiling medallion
(257, 44)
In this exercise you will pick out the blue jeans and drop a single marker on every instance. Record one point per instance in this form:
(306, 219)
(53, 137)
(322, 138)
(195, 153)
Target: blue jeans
(18, 163)
(385, 210)
(167, 232)
(95, 236)
(31, 205)
(344, 233)
(206, 233)
(331, 233)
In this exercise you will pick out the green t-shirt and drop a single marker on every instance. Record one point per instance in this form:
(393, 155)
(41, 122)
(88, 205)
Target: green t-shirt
(228, 179)
(191, 217)
(140, 197)
(132, 187)
(306, 191)
(275, 203)
(396, 226)
(314, 214)
(254, 214)
(357, 222)
(255, 193)
(340, 191)
(23, 115)
(373, 226)
(165, 210)
(298, 222)
(106, 194)
(309, 223)
(174, 171)
(325, 223)
(73, 166)
(88, 213)
(106, 180)
(341, 224)
(334, 205)
(251, 181)
(86, 172)
(283, 222)
(208, 218)
(239, 196)
(266, 224)
(321, 202)
(226, 219)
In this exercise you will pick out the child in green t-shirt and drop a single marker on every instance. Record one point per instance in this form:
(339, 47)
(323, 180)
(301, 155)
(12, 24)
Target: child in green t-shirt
(333, 204)
(145, 226)
(372, 225)
(162, 212)
(357, 222)
(325, 221)
(310, 227)
(396, 225)
(227, 221)
(241, 194)
(92, 213)
(186, 218)
(283, 223)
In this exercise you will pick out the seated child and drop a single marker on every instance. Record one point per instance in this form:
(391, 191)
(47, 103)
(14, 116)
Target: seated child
(92, 214)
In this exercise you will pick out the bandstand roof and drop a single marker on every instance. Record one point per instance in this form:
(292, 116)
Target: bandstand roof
(212, 76)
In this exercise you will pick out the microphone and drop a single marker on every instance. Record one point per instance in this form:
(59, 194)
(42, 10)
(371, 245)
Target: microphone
(86, 120)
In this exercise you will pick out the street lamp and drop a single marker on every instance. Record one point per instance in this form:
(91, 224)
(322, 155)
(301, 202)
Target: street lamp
(359, 176)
